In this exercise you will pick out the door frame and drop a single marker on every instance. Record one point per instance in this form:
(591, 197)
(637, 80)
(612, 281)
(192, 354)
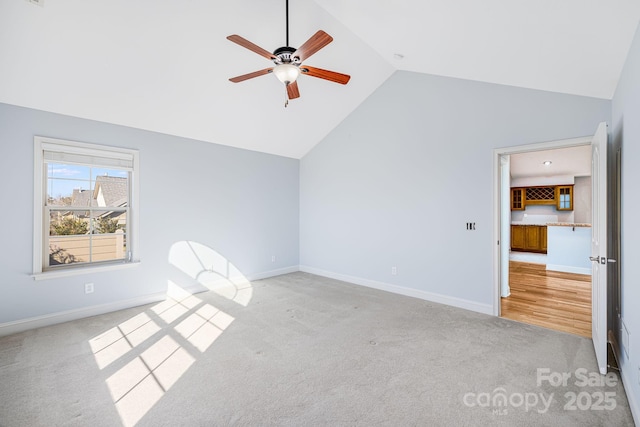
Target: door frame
(497, 237)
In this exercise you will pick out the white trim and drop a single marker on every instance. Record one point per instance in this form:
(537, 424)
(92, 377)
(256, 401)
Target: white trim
(54, 274)
(239, 279)
(22, 325)
(549, 145)
(78, 313)
(569, 269)
(39, 195)
(497, 214)
(223, 281)
(631, 397)
(401, 290)
(134, 211)
(497, 152)
(273, 273)
(38, 203)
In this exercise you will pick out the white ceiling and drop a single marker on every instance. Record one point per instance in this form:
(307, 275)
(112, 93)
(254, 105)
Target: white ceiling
(573, 161)
(164, 65)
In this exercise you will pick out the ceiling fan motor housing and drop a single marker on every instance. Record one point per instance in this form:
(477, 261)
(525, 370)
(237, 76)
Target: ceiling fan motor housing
(284, 55)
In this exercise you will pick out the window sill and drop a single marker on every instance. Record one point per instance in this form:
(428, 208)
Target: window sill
(45, 275)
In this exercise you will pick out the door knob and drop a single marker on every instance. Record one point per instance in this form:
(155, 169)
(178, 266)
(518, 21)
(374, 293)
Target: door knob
(601, 260)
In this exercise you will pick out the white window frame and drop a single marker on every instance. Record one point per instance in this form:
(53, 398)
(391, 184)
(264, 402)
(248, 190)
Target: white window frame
(40, 194)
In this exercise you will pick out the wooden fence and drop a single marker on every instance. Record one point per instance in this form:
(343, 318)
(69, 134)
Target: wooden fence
(71, 249)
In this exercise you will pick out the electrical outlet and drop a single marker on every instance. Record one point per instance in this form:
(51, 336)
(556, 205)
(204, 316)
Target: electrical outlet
(273, 258)
(88, 288)
(394, 271)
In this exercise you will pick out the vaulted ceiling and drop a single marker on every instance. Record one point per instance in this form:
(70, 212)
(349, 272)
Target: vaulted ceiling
(164, 65)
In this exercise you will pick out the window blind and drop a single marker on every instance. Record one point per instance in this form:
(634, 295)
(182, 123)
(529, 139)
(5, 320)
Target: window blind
(86, 156)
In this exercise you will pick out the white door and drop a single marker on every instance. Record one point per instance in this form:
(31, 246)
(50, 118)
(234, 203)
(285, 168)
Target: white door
(599, 245)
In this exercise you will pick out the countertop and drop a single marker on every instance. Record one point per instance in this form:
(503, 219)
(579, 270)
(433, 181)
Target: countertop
(554, 224)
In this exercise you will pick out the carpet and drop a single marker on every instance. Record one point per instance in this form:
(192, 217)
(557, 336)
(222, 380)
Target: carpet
(302, 350)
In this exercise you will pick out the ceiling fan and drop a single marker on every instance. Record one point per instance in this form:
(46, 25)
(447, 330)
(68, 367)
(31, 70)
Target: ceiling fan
(288, 61)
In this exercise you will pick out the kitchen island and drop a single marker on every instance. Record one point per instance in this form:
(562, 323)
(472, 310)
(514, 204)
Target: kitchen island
(569, 247)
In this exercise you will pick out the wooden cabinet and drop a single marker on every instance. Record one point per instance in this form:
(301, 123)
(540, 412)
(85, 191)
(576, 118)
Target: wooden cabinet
(560, 195)
(532, 238)
(564, 197)
(517, 199)
(540, 195)
(517, 237)
(529, 238)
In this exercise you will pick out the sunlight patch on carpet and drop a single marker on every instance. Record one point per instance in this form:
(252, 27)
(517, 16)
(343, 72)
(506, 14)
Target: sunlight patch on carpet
(147, 354)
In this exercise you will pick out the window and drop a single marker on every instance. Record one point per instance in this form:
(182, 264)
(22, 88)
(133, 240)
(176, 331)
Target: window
(84, 205)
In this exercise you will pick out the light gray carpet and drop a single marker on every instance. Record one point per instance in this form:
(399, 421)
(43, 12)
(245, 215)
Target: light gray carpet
(304, 351)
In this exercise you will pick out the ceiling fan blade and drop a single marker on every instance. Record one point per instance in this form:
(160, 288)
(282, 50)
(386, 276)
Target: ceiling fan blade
(244, 77)
(311, 46)
(292, 90)
(252, 47)
(325, 74)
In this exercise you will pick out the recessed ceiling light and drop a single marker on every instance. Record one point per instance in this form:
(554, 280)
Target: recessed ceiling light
(547, 163)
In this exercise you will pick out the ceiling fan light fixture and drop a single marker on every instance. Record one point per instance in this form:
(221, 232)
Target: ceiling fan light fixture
(286, 73)
(288, 60)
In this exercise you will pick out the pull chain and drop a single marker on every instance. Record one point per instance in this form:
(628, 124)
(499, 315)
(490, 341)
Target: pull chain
(286, 97)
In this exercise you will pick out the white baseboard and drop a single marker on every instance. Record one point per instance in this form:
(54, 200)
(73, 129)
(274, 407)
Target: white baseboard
(22, 325)
(631, 398)
(79, 313)
(633, 404)
(569, 269)
(272, 273)
(416, 293)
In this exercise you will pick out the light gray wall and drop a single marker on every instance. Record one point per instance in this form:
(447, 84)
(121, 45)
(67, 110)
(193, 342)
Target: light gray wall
(242, 204)
(626, 134)
(563, 216)
(395, 183)
(582, 199)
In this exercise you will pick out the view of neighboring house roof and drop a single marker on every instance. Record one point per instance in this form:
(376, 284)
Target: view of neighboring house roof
(81, 198)
(109, 191)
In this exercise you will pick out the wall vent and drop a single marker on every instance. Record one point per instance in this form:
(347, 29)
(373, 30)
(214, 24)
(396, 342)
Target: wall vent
(625, 338)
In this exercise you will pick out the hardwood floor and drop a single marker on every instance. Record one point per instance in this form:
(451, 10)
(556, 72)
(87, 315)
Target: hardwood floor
(551, 299)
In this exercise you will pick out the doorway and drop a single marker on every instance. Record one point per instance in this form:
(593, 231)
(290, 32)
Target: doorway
(552, 292)
(540, 292)
(598, 255)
